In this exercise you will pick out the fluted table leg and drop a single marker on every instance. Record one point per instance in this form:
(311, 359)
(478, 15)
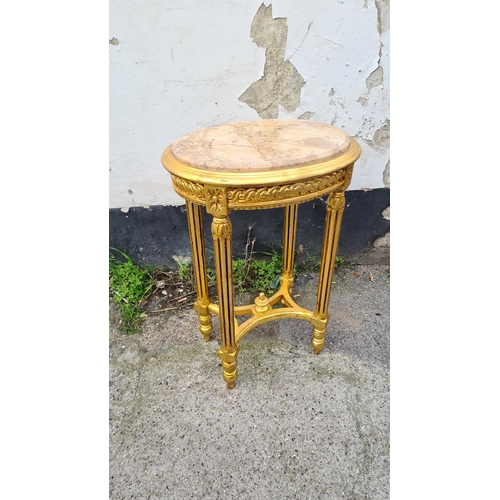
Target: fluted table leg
(223, 251)
(334, 212)
(289, 237)
(196, 237)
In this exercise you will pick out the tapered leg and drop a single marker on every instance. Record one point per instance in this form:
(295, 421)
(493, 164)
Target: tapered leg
(195, 225)
(334, 212)
(223, 250)
(289, 236)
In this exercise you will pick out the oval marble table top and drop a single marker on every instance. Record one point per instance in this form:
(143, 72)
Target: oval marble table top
(260, 145)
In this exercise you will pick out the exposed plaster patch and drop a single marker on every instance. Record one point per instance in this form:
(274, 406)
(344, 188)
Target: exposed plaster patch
(386, 177)
(386, 214)
(383, 15)
(307, 115)
(332, 91)
(281, 83)
(381, 138)
(375, 78)
(363, 101)
(383, 242)
(124, 210)
(129, 191)
(114, 41)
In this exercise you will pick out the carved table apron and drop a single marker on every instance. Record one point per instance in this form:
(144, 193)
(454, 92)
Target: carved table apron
(256, 165)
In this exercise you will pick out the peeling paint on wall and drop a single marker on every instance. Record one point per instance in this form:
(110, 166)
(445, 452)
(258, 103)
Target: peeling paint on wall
(306, 116)
(386, 177)
(281, 83)
(381, 138)
(201, 59)
(383, 15)
(383, 242)
(375, 78)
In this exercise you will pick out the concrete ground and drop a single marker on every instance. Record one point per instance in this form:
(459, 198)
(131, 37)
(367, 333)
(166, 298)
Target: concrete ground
(296, 425)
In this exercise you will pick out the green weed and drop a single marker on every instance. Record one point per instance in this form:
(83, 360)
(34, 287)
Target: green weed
(254, 275)
(140, 290)
(185, 271)
(129, 285)
(264, 275)
(211, 275)
(305, 261)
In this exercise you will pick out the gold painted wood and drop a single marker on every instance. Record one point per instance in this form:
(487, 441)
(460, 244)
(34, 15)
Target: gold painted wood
(334, 212)
(289, 235)
(223, 253)
(197, 240)
(257, 165)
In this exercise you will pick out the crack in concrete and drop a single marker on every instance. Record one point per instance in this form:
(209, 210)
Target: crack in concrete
(300, 44)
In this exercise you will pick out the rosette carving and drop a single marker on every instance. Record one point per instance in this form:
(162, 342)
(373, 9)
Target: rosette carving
(216, 200)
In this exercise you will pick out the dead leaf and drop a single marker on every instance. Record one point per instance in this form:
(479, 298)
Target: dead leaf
(372, 278)
(356, 275)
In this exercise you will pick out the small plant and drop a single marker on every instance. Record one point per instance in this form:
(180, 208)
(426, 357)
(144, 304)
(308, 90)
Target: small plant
(239, 274)
(211, 275)
(185, 270)
(129, 285)
(305, 261)
(264, 275)
(140, 291)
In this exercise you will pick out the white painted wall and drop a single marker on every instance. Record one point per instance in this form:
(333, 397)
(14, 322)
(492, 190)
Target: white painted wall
(181, 65)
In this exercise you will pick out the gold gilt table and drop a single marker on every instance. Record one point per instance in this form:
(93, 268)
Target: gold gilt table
(255, 165)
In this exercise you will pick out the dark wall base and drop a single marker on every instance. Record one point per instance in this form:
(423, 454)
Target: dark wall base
(155, 235)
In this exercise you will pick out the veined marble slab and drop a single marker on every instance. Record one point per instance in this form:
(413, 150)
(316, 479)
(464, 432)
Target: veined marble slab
(260, 145)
